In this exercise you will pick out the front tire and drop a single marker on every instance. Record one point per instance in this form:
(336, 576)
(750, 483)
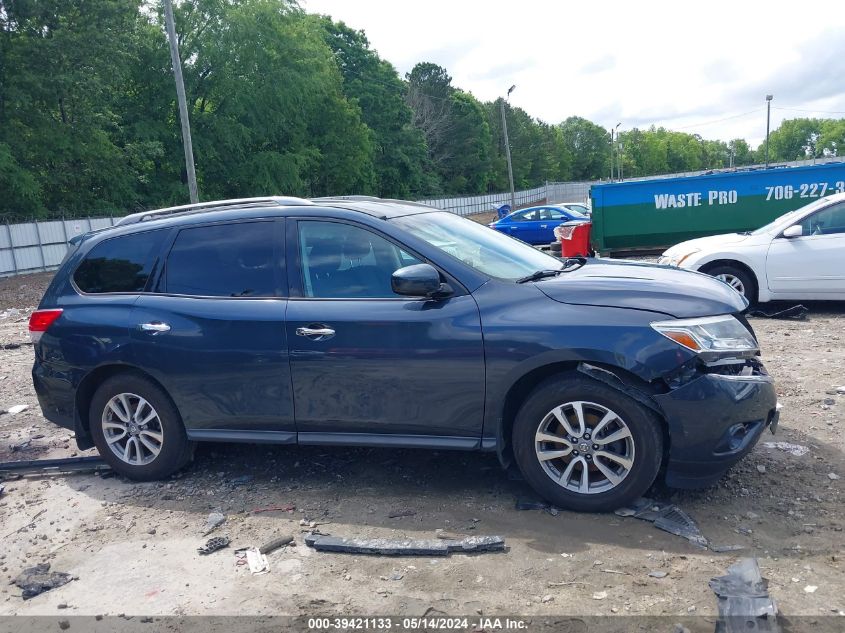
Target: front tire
(736, 278)
(584, 446)
(137, 428)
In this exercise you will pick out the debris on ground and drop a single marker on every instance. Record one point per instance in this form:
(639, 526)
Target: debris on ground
(810, 589)
(798, 312)
(36, 580)
(54, 466)
(275, 544)
(793, 449)
(287, 508)
(396, 514)
(214, 520)
(252, 558)
(214, 544)
(833, 476)
(658, 574)
(667, 517)
(405, 547)
(744, 601)
(17, 409)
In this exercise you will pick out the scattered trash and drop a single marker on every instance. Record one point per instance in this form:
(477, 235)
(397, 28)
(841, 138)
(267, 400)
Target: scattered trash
(810, 589)
(21, 446)
(252, 558)
(54, 466)
(36, 580)
(833, 476)
(287, 508)
(405, 547)
(761, 469)
(793, 449)
(719, 549)
(401, 513)
(667, 517)
(214, 520)
(658, 574)
(744, 602)
(275, 544)
(599, 595)
(615, 571)
(798, 312)
(17, 408)
(214, 544)
(548, 598)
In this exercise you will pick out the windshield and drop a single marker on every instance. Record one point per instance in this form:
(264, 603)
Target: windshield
(486, 250)
(788, 218)
(577, 211)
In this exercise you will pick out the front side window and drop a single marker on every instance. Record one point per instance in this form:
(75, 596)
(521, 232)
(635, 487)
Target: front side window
(341, 261)
(826, 222)
(488, 251)
(223, 260)
(119, 264)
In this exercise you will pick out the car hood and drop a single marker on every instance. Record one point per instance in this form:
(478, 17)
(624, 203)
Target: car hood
(618, 284)
(711, 242)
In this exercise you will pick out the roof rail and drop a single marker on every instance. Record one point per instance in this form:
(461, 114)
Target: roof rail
(215, 205)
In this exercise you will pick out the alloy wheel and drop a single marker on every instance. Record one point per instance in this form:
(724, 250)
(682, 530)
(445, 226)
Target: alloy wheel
(584, 447)
(132, 429)
(733, 281)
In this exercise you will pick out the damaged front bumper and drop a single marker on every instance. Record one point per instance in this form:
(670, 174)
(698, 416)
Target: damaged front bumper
(715, 418)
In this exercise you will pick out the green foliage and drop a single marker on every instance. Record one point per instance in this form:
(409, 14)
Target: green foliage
(281, 102)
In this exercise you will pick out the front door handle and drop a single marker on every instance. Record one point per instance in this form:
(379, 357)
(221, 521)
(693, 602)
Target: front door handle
(544, 226)
(315, 332)
(156, 327)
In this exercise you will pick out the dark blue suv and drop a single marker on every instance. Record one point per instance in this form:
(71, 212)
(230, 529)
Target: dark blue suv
(367, 322)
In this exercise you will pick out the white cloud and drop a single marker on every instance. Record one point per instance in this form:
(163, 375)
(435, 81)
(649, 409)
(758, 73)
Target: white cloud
(678, 64)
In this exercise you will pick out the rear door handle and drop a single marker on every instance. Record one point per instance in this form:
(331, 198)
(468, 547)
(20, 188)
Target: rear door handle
(315, 333)
(156, 327)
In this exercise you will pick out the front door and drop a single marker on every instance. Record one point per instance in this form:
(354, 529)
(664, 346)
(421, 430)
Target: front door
(213, 331)
(369, 366)
(814, 263)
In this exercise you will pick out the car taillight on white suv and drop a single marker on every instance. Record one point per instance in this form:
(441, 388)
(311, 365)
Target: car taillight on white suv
(40, 321)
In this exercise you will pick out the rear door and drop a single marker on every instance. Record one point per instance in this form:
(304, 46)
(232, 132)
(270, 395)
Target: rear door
(369, 366)
(813, 264)
(213, 331)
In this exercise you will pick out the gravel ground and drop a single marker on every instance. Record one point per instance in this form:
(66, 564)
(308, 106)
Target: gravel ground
(119, 538)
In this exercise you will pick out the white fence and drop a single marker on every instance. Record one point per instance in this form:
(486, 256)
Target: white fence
(35, 246)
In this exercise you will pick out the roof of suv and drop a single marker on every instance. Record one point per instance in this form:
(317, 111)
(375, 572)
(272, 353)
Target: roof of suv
(377, 207)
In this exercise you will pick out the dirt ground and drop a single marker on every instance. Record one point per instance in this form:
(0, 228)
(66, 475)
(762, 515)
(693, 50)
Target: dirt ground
(121, 539)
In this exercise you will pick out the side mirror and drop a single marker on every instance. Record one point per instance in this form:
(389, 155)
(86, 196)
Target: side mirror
(419, 280)
(793, 231)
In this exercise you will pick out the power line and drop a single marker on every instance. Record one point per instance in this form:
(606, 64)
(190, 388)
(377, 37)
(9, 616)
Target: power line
(727, 118)
(810, 111)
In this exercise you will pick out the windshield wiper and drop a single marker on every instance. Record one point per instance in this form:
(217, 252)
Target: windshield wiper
(569, 264)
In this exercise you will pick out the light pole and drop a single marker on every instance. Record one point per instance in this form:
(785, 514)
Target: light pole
(183, 106)
(508, 147)
(768, 119)
(613, 147)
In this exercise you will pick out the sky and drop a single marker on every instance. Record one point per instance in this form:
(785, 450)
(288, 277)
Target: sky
(698, 67)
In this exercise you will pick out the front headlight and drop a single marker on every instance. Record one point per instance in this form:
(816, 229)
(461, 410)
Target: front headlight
(677, 259)
(711, 337)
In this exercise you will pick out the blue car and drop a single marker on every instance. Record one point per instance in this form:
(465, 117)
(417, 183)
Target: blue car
(536, 225)
(364, 322)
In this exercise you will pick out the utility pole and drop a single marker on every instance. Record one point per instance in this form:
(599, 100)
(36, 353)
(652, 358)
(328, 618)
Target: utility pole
(183, 106)
(614, 134)
(508, 148)
(768, 119)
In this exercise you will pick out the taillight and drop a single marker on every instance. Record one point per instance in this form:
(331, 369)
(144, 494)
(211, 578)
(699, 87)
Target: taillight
(40, 321)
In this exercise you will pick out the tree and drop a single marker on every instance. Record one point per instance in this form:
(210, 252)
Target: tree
(795, 139)
(589, 146)
(372, 83)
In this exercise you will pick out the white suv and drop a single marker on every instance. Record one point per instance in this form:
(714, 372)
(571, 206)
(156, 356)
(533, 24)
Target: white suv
(799, 256)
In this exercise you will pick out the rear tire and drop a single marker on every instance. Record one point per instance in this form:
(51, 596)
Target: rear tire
(137, 428)
(618, 443)
(736, 278)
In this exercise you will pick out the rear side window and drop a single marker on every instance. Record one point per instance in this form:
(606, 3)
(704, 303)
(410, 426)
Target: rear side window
(224, 260)
(120, 264)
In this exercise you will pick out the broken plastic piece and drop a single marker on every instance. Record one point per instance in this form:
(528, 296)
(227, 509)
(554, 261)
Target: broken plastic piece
(253, 558)
(667, 517)
(36, 580)
(744, 601)
(405, 547)
(215, 519)
(214, 544)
